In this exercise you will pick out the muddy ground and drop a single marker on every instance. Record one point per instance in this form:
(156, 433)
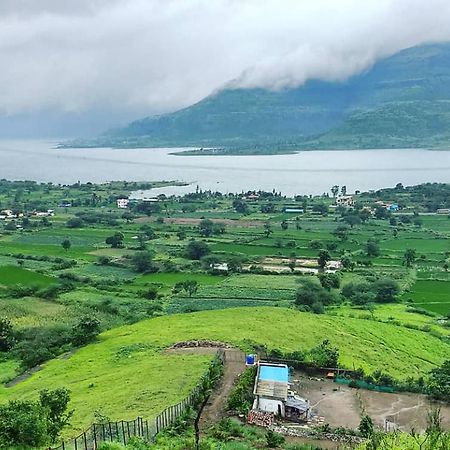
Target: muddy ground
(340, 405)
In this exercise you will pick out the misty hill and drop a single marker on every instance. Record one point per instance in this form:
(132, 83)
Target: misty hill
(402, 101)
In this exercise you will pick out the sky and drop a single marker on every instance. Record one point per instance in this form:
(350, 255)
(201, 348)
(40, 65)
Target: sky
(89, 65)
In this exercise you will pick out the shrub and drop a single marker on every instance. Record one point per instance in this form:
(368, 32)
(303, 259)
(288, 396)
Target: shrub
(85, 330)
(196, 250)
(274, 440)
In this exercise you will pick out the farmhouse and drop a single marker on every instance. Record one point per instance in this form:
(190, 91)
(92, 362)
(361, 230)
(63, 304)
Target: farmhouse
(272, 394)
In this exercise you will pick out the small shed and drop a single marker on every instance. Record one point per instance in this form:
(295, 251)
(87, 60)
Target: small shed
(272, 394)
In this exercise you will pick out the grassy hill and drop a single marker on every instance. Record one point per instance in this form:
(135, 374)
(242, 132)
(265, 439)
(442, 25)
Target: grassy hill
(402, 101)
(128, 373)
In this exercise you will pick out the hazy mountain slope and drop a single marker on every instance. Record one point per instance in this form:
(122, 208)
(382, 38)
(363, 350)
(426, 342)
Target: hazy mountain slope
(401, 101)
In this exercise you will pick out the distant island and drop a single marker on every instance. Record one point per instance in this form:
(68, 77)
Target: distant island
(402, 102)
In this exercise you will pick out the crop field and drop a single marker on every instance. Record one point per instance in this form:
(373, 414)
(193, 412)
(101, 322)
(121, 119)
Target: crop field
(431, 295)
(160, 272)
(10, 275)
(128, 373)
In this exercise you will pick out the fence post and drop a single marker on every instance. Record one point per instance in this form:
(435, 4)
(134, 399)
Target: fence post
(128, 429)
(110, 431)
(94, 431)
(85, 441)
(123, 433)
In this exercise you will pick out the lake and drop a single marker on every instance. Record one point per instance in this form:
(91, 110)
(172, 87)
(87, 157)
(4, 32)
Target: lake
(307, 172)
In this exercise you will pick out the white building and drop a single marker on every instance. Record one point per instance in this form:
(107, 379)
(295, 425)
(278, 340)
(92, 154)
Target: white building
(272, 394)
(122, 203)
(345, 200)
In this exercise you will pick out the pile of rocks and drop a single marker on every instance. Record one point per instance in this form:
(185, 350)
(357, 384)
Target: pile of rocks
(315, 434)
(260, 418)
(203, 343)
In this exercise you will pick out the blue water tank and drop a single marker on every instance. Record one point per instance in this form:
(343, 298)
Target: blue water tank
(250, 360)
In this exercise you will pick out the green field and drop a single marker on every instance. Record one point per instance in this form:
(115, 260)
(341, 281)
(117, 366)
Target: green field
(127, 373)
(431, 295)
(11, 275)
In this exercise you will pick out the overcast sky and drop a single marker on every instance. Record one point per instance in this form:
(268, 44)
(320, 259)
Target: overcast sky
(114, 60)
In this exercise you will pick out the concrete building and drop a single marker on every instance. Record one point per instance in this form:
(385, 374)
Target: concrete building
(345, 200)
(272, 394)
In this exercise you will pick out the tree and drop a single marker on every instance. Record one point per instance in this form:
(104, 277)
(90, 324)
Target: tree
(181, 234)
(309, 293)
(66, 244)
(386, 290)
(190, 286)
(6, 334)
(292, 263)
(240, 206)
(320, 208)
(34, 424)
(142, 240)
(284, 225)
(347, 262)
(324, 257)
(197, 249)
(148, 232)
(365, 427)
(409, 257)
(381, 212)
(205, 227)
(234, 264)
(335, 190)
(143, 262)
(329, 281)
(324, 355)
(343, 190)
(116, 240)
(352, 220)
(75, 222)
(341, 232)
(372, 248)
(267, 229)
(438, 384)
(85, 330)
(55, 404)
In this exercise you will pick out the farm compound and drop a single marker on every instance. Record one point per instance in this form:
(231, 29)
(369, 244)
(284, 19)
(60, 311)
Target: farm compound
(273, 396)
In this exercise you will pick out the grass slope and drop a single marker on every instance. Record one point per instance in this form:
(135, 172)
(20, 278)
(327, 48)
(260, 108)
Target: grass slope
(127, 373)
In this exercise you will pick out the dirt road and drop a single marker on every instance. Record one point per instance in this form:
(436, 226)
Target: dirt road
(215, 408)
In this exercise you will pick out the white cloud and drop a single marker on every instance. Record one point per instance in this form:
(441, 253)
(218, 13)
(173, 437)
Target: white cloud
(141, 56)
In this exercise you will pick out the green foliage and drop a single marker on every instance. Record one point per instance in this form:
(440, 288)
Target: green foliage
(7, 337)
(309, 293)
(241, 397)
(142, 262)
(196, 250)
(86, 330)
(34, 423)
(438, 384)
(274, 440)
(365, 427)
(115, 241)
(330, 280)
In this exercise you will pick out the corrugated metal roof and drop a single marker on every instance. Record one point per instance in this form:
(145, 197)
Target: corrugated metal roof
(272, 388)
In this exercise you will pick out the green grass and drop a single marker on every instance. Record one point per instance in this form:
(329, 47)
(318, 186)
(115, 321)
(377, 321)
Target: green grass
(170, 278)
(11, 275)
(431, 295)
(127, 374)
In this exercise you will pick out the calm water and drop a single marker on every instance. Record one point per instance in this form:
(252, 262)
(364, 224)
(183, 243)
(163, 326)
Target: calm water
(307, 172)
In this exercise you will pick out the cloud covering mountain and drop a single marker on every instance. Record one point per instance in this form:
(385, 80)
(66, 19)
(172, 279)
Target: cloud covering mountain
(133, 58)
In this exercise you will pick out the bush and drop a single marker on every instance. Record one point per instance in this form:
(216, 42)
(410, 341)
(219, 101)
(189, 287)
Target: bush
(274, 440)
(85, 330)
(196, 250)
(310, 293)
(34, 424)
(6, 334)
(241, 397)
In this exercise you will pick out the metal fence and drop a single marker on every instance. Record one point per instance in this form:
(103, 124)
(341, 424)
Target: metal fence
(122, 431)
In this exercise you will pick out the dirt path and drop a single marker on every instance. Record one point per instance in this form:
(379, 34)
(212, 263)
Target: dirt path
(215, 408)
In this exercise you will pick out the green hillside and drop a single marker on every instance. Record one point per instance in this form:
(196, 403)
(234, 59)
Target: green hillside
(128, 372)
(402, 101)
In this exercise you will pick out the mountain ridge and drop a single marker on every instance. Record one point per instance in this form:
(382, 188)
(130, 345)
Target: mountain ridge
(401, 101)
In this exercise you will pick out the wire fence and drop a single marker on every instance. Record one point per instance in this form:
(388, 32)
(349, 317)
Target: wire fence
(123, 430)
